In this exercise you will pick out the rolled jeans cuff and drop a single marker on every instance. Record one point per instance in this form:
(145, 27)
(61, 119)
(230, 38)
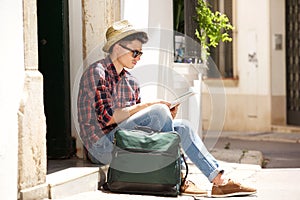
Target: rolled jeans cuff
(214, 174)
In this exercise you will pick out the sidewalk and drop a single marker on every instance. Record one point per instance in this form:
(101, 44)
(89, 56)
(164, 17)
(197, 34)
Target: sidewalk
(272, 184)
(291, 137)
(245, 167)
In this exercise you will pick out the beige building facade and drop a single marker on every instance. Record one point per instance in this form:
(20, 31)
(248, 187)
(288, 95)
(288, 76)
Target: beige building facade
(256, 99)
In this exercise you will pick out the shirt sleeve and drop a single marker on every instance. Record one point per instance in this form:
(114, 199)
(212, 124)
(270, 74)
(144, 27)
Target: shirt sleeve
(103, 101)
(90, 130)
(137, 94)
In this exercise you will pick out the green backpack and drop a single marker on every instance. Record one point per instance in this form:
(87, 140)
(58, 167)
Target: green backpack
(145, 163)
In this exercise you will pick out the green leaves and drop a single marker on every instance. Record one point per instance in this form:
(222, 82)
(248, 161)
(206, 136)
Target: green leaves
(213, 27)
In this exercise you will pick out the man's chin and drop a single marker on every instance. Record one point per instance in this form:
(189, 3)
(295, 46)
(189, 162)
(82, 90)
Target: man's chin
(130, 67)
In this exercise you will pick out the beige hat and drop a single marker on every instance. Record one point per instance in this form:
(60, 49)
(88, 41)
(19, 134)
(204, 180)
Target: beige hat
(117, 32)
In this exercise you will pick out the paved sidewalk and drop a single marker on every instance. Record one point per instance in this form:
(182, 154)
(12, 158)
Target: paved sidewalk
(245, 167)
(241, 172)
(272, 184)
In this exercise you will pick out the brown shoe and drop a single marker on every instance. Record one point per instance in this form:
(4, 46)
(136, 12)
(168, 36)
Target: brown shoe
(190, 188)
(231, 189)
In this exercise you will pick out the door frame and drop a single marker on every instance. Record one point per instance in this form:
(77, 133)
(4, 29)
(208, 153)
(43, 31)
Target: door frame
(292, 64)
(60, 143)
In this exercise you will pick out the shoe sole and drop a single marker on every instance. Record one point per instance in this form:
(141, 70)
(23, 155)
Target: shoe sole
(233, 194)
(194, 195)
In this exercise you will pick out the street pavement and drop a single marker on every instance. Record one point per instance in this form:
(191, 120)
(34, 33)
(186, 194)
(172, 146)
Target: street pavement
(242, 166)
(279, 150)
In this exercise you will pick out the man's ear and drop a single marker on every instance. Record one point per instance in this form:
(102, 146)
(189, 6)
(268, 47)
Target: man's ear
(116, 47)
(118, 50)
(112, 48)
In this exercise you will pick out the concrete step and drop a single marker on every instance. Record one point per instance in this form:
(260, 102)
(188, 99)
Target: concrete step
(72, 181)
(188, 75)
(285, 129)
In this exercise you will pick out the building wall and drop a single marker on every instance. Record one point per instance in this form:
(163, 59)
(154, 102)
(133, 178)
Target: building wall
(23, 133)
(278, 63)
(89, 20)
(11, 86)
(256, 100)
(32, 159)
(76, 62)
(157, 21)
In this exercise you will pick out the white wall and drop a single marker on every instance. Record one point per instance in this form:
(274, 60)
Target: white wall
(278, 60)
(156, 18)
(75, 32)
(249, 106)
(11, 86)
(88, 21)
(253, 35)
(76, 61)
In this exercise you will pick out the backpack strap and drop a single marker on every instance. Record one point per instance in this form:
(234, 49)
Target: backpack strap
(186, 170)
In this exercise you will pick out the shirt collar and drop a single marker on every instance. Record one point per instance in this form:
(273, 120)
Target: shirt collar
(111, 67)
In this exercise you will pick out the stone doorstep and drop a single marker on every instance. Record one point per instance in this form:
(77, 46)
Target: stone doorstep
(36, 192)
(72, 181)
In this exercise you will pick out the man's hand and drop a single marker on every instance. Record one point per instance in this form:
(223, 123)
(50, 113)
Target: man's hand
(174, 111)
(124, 113)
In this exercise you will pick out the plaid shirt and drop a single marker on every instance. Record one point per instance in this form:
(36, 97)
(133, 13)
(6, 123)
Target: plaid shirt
(101, 91)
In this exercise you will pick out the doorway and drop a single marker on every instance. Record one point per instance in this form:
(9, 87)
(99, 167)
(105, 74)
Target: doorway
(53, 50)
(293, 61)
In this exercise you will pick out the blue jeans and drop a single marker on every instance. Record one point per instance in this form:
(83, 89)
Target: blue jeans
(158, 117)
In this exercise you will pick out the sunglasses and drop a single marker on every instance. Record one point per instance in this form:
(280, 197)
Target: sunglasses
(135, 53)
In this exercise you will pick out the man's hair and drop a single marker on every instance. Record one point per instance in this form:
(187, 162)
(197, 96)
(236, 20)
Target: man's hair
(142, 37)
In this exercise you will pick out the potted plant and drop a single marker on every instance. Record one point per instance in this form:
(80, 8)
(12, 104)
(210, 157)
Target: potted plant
(213, 27)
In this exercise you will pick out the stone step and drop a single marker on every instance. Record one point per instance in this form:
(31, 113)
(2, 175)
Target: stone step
(285, 129)
(72, 181)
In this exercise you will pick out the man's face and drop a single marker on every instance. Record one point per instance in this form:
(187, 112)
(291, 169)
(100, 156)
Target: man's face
(130, 53)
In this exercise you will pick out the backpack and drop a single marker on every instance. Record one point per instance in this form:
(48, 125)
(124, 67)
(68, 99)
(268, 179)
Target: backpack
(145, 162)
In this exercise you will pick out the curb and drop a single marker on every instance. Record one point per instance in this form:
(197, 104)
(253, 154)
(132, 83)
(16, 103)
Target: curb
(260, 136)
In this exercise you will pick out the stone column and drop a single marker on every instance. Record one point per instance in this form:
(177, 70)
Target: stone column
(32, 164)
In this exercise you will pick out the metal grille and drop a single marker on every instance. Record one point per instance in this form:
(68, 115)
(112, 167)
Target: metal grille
(293, 61)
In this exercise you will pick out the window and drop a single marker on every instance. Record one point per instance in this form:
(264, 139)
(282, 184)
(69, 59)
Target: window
(222, 55)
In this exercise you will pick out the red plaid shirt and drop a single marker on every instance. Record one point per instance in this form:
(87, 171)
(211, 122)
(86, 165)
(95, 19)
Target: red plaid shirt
(101, 91)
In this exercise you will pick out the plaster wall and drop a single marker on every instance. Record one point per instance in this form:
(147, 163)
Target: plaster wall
(157, 21)
(11, 86)
(88, 22)
(243, 113)
(97, 17)
(32, 159)
(253, 36)
(248, 102)
(76, 64)
(278, 63)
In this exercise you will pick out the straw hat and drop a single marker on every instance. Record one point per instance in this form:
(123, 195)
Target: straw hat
(117, 32)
